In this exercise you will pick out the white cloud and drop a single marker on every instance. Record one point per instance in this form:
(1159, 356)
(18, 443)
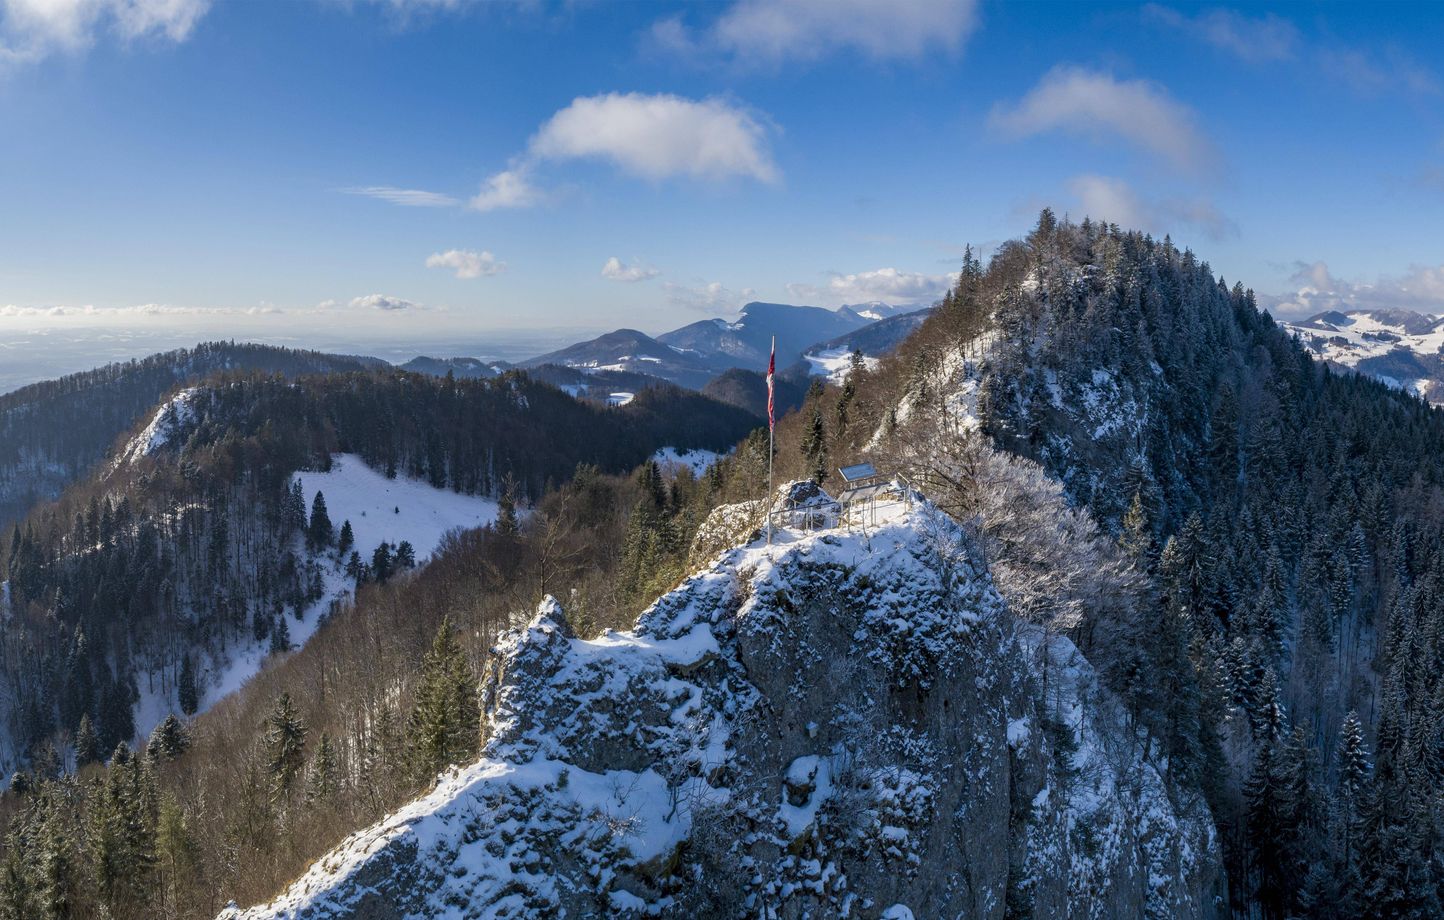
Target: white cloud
(1254, 39)
(507, 189)
(659, 136)
(782, 31)
(1080, 101)
(33, 29)
(1421, 288)
(1113, 200)
(886, 284)
(466, 263)
(614, 270)
(406, 197)
(712, 298)
(383, 302)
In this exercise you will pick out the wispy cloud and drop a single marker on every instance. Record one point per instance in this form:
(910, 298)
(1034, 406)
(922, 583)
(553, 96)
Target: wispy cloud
(1369, 70)
(713, 298)
(1097, 105)
(30, 30)
(1379, 71)
(775, 32)
(406, 197)
(890, 285)
(615, 270)
(466, 263)
(1113, 200)
(1256, 39)
(1316, 289)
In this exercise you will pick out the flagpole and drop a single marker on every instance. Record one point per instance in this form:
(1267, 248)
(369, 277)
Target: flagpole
(771, 424)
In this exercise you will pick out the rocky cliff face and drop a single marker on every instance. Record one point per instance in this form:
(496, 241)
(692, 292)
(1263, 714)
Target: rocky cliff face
(848, 723)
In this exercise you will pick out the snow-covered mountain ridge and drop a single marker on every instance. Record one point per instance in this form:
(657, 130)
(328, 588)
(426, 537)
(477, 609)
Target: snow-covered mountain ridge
(845, 723)
(1400, 347)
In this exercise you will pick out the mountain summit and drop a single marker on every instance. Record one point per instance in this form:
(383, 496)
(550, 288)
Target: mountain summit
(847, 722)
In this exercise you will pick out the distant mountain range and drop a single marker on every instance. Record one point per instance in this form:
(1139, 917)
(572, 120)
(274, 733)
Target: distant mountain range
(1400, 347)
(697, 353)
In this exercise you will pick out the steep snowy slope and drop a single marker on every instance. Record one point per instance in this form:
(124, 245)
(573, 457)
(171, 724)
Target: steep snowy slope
(848, 723)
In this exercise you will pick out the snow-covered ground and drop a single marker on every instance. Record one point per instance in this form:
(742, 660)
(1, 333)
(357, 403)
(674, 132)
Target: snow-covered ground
(620, 399)
(392, 510)
(834, 363)
(697, 460)
(380, 510)
(172, 414)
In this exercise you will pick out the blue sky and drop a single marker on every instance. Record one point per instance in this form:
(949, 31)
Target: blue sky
(334, 173)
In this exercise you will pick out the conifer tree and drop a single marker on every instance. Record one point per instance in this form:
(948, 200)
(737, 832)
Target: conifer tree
(169, 740)
(187, 693)
(323, 779)
(381, 563)
(814, 446)
(285, 747)
(319, 532)
(405, 555)
(87, 745)
(446, 722)
(280, 637)
(346, 540)
(507, 523)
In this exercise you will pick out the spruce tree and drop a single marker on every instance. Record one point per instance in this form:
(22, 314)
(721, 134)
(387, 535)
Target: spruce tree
(381, 563)
(346, 540)
(169, 740)
(506, 518)
(87, 744)
(445, 725)
(319, 532)
(280, 637)
(187, 693)
(814, 446)
(285, 747)
(323, 780)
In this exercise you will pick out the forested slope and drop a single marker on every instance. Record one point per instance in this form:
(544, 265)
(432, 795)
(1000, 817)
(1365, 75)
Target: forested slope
(52, 433)
(1286, 519)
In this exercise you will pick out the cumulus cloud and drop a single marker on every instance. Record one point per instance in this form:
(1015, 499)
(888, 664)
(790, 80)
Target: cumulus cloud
(886, 284)
(615, 270)
(383, 302)
(1316, 289)
(33, 29)
(659, 136)
(1085, 102)
(1256, 39)
(406, 197)
(466, 263)
(712, 298)
(507, 189)
(780, 31)
(1113, 200)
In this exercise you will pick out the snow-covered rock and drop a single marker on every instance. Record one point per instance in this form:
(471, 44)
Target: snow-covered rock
(846, 723)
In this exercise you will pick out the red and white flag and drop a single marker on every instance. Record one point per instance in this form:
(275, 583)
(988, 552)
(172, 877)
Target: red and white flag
(771, 371)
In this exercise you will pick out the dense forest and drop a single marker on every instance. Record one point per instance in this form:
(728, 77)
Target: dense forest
(52, 433)
(1282, 528)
